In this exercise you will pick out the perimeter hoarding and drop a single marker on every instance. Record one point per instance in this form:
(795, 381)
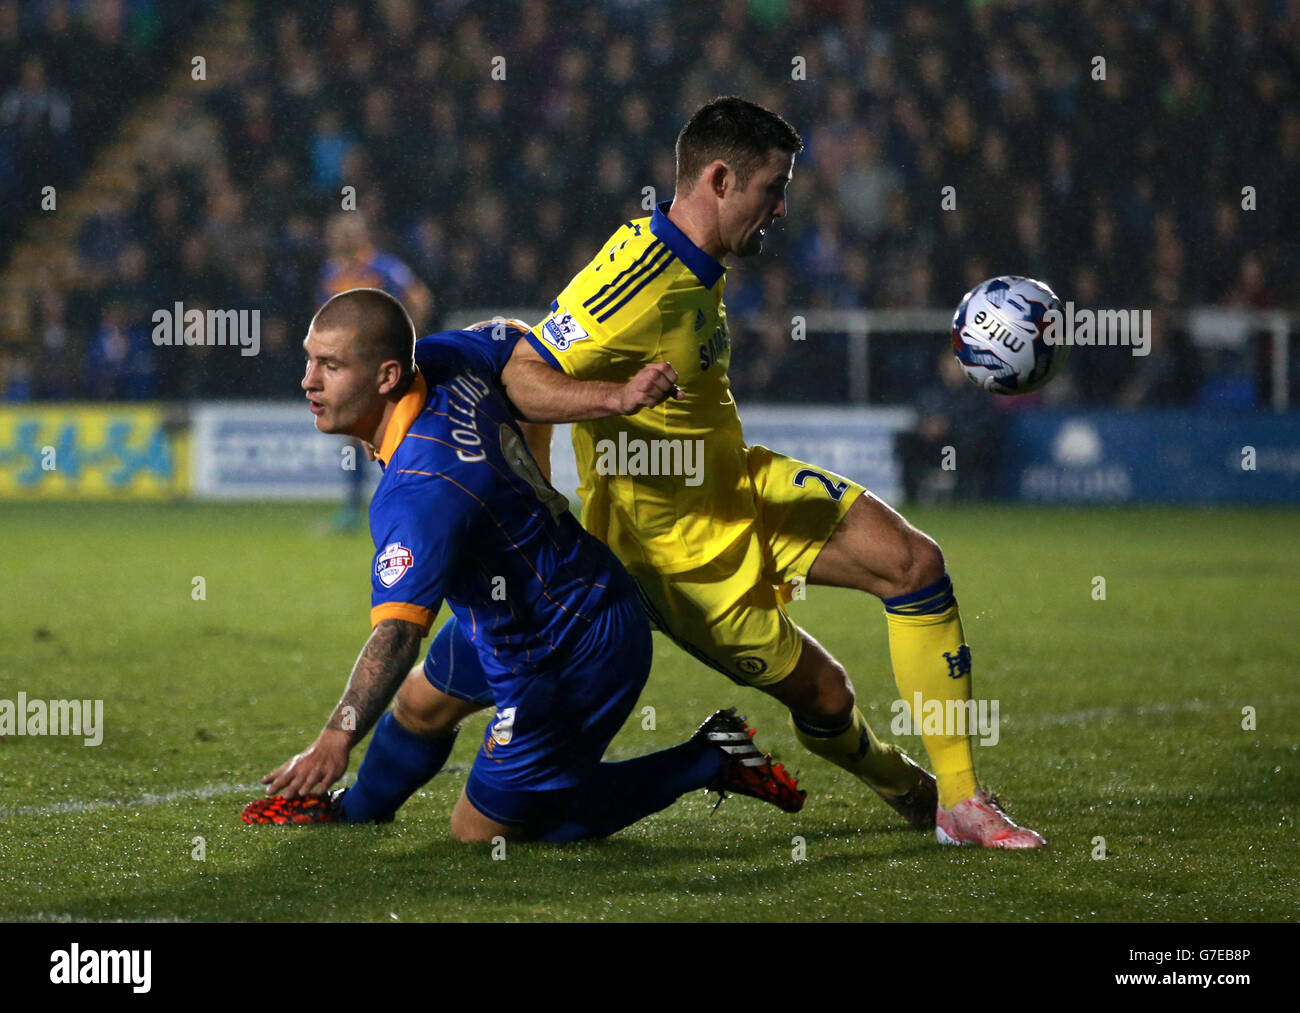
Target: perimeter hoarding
(100, 452)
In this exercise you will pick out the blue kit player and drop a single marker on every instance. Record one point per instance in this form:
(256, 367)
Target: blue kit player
(546, 625)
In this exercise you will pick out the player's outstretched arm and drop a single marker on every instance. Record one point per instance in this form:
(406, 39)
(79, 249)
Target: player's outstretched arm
(380, 668)
(543, 394)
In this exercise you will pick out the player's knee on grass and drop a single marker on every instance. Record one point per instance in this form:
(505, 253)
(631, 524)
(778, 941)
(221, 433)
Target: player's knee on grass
(466, 832)
(469, 826)
(428, 712)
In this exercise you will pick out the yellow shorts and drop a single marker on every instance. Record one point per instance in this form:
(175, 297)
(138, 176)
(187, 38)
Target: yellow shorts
(730, 613)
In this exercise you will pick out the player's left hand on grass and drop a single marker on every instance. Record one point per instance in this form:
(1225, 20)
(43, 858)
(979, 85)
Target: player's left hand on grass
(312, 770)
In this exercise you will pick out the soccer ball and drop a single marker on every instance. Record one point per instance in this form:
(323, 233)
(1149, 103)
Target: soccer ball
(997, 335)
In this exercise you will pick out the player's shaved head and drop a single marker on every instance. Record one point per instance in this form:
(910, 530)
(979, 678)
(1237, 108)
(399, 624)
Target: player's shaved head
(378, 325)
(739, 132)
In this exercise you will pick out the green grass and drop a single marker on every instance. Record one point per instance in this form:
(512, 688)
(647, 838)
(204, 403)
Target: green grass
(1121, 719)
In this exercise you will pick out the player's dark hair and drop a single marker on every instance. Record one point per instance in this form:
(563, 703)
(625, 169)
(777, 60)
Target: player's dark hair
(737, 131)
(378, 322)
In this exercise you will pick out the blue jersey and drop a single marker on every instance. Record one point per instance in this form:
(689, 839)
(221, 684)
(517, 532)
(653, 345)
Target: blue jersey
(463, 513)
(374, 270)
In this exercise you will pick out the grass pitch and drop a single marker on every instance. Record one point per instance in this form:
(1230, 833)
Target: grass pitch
(1121, 719)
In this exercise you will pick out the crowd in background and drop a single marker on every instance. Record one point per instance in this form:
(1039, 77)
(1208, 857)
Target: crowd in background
(493, 147)
(68, 70)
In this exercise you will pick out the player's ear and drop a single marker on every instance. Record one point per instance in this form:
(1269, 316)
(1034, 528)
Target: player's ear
(390, 376)
(720, 178)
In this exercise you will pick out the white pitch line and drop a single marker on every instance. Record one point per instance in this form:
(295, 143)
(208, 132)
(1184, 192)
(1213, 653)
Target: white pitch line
(1141, 711)
(217, 790)
(207, 791)
(59, 916)
(1105, 713)
(159, 798)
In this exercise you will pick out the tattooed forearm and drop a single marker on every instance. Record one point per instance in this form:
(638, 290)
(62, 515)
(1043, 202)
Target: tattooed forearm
(383, 663)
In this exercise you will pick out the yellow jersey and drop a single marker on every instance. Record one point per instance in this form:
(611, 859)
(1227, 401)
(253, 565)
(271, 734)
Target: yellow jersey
(668, 486)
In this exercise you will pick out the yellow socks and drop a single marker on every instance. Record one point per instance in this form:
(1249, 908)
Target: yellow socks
(930, 657)
(855, 748)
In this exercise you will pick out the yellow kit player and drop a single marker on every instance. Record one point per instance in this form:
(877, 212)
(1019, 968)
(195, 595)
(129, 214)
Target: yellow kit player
(635, 353)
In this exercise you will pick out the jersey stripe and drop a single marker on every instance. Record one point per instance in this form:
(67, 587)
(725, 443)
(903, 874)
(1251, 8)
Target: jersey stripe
(646, 281)
(542, 585)
(608, 292)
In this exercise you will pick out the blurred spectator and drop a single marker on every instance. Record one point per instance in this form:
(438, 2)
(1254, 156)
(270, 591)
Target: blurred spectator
(134, 284)
(820, 255)
(328, 146)
(866, 184)
(498, 190)
(36, 122)
(1166, 374)
(105, 234)
(952, 452)
(119, 366)
(278, 365)
(1252, 288)
(181, 137)
(355, 262)
(719, 70)
(1223, 252)
(55, 379)
(15, 377)
(199, 276)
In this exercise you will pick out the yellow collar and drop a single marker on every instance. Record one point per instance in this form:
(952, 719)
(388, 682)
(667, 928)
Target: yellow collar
(404, 416)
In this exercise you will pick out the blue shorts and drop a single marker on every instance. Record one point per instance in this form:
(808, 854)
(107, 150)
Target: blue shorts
(452, 665)
(551, 727)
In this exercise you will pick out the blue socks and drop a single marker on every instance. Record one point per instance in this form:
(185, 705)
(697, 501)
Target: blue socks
(618, 794)
(396, 765)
